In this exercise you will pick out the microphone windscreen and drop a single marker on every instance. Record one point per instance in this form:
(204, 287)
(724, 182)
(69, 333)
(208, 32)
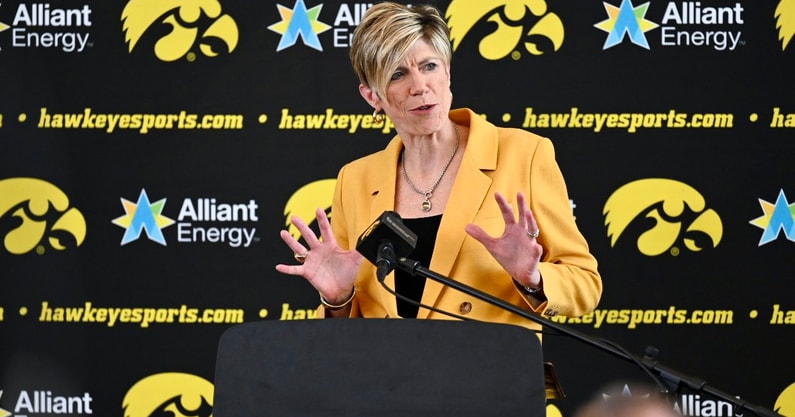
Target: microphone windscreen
(388, 227)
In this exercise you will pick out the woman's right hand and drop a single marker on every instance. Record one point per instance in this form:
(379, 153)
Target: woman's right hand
(329, 268)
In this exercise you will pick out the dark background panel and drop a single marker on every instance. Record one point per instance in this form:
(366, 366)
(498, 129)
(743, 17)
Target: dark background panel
(730, 167)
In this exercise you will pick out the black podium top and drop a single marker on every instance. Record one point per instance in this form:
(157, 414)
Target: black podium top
(370, 367)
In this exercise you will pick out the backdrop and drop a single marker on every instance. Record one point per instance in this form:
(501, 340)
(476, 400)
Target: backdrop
(150, 152)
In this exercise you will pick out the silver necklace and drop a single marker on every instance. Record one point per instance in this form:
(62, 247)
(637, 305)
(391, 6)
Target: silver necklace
(426, 204)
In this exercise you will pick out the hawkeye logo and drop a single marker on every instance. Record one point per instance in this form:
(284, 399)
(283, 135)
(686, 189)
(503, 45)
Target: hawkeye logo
(515, 26)
(778, 216)
(195, 25)
(785, 404)
(684, 24)
(32, 210)
(663, 213)
(785, 21)
(304, 202)
(40, 25)
(171, 393)
(199, 221)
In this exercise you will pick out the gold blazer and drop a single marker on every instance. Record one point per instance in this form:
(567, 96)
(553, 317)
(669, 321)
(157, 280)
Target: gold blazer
(496, 159)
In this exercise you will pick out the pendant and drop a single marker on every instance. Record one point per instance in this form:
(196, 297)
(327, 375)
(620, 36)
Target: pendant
(426, 205)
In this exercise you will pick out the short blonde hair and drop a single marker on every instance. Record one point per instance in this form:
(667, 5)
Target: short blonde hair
(385, 35)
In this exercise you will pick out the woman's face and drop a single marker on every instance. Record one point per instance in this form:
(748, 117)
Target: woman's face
(418, 94)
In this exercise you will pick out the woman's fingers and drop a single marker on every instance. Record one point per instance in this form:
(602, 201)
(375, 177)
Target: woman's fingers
(293, 244)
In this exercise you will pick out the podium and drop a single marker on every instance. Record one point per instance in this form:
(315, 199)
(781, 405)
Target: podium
(378, 367)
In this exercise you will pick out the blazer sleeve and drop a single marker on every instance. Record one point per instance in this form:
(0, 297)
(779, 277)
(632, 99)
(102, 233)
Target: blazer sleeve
(572, 284)
(339, 227)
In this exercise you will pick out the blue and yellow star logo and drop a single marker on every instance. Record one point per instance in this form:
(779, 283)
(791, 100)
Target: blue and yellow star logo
(299, 22)
(3, 27)
(143, 216)
(778, 216)
(626, 19)
(3, 412)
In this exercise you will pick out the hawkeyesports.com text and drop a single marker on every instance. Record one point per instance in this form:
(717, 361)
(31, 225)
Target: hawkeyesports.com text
(142, 316)
(634, 317)
(574, 119)
(142, 122)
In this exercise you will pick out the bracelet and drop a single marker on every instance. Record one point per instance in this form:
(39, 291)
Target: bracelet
(332, 307)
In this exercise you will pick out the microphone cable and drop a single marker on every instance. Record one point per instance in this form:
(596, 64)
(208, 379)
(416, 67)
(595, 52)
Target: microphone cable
(657, 381)
(660, 385)
(421, 305)
(440, 311)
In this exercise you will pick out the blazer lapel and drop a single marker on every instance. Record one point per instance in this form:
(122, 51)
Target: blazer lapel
(383, 199)
(469, 191)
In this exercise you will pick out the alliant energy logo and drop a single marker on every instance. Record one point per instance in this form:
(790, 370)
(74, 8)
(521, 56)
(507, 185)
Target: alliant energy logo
(306, 24)
(169, 394)
(195, 26)
(626, 20)
(200, 220)
(143, 216)
(522, 23)
(778, 217)
(3, 27)
(43, 25)
(682, 24)
(305, 200)
(693, 405)
(299, 22)
(45, 402)
(33, 211)
(206, 220)
(686, 405)
(519, 23)
(662, 213)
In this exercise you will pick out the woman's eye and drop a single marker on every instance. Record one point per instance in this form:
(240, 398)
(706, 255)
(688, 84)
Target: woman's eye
(431, 66)
(396, 75)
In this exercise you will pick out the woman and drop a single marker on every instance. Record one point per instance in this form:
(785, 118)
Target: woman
(439, 173)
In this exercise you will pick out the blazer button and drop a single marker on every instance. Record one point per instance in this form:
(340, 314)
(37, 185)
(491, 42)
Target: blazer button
(465, 307)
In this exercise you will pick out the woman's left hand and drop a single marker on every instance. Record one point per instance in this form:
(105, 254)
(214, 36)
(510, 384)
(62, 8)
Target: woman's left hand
(517, 250)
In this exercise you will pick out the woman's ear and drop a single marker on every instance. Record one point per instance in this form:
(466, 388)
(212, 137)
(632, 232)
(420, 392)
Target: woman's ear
(369, 96)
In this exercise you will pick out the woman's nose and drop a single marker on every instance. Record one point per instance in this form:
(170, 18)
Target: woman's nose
(418, 84)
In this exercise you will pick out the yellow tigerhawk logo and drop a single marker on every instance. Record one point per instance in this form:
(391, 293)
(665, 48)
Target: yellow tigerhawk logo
(304, 202)
(170, 393)
(785, 404)
(553, 411)
(512, 30)
(785, 21)
(188, 21)
(38, 209)
(664, 212)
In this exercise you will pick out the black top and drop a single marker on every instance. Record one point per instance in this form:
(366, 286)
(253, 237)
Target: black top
(413, 286)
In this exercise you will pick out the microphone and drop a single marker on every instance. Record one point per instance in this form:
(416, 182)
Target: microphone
(386, 239)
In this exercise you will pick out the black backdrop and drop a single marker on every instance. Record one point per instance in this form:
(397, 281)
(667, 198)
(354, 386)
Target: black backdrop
(219, 116)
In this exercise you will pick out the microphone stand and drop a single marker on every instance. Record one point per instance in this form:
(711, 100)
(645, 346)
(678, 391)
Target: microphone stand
(652, 365)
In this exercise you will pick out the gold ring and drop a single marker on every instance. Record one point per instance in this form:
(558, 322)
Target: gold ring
(534, 235)
(301, 257)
